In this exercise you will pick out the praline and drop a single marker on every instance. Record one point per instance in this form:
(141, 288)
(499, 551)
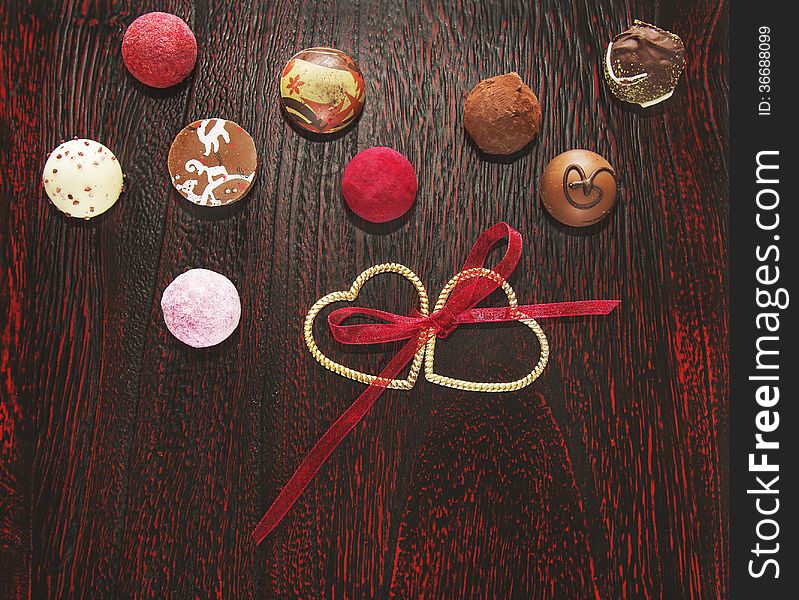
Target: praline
(502, 114)
(83, 178)
(379, 184)
(159, 49)
(201, 307)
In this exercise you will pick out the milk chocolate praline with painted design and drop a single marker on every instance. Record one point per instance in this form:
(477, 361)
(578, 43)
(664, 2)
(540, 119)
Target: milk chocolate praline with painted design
(212, 162)
(579, 188)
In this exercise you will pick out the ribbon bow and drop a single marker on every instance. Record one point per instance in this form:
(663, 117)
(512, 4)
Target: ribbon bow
(455, 306)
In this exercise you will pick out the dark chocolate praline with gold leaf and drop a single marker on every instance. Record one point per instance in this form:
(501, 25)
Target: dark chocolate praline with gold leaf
(644, 63)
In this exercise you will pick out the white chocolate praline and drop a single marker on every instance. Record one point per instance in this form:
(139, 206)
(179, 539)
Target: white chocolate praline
(83, 178)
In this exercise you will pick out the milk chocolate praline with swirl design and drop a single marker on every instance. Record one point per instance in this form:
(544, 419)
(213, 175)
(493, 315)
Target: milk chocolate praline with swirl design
(579, 188)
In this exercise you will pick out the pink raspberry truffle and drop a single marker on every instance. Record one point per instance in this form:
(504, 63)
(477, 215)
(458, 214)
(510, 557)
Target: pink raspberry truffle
(379, 184)
(201, 308)
(159, 49)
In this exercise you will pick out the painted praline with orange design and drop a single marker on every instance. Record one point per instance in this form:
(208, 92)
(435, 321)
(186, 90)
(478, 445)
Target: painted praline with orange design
(322, 90)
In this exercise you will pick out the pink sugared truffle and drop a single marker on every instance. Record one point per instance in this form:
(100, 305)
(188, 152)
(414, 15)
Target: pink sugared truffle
(201, 308)
(379, 184)
(159, 49)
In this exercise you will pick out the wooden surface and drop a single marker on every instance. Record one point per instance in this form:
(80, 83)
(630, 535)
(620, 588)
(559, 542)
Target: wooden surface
(134, 466)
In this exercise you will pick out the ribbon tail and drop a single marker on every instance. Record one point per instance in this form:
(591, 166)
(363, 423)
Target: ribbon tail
(335, 434)
(581, 308)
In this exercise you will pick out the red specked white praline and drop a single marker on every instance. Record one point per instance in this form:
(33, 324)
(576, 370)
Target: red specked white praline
(82, 186)
(201, 308)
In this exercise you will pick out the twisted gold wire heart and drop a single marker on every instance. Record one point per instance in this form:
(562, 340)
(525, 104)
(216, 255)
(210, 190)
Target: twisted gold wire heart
(480, 386)
(425, 354)
(350, 296)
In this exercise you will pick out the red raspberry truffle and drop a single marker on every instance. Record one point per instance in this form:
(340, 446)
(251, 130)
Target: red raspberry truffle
(159, 49)
(379, 184)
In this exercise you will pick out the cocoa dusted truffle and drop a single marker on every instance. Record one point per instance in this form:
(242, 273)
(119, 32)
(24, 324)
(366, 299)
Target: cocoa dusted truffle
(644, 63)
(578, 188)
(502, 114)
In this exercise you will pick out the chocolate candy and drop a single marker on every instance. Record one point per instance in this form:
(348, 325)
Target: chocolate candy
(578, 188)
(82, 178)
(643, 64)
(322, 90)
(212, 162)
(502, 114)
(159, 49)
(201, 308)
(379, 184)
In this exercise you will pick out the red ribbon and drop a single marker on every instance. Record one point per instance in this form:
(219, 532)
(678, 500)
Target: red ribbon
(418, 330)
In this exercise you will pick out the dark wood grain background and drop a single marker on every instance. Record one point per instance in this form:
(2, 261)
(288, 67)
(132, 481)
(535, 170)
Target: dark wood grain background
(134, 466)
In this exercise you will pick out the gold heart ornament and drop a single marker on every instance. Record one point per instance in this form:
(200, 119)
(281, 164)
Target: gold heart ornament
(480, 386)
(427, 352)
(421, 329)
(350, 296)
